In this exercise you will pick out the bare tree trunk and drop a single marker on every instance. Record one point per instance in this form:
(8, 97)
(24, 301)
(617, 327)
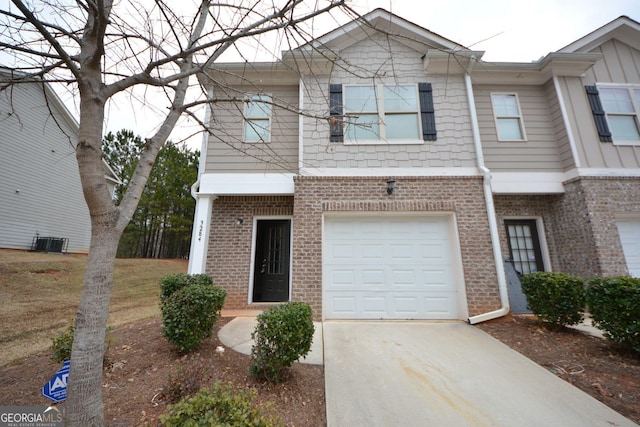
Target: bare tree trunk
(84, 404)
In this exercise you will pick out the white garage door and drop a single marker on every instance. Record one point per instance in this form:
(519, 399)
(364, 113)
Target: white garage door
(389, 268)
(629, 231)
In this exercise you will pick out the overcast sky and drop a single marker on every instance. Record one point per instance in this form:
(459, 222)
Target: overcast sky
(517, 30)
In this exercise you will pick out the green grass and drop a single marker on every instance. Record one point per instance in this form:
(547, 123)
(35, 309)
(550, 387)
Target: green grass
(40, 294)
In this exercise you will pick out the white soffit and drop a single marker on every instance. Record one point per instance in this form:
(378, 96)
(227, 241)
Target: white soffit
(227, 184)
(527, 183)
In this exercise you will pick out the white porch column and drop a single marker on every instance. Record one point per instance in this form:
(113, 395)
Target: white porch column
(200, 236)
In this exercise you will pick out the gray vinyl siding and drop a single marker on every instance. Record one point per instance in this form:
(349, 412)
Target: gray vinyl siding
(540, 152)
(393, 63)
(227, 153)
(40, 190)
(620, 64)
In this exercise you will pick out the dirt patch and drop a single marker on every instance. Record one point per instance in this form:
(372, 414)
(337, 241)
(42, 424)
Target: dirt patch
(592, 364)
(141, 361)
(139, 364)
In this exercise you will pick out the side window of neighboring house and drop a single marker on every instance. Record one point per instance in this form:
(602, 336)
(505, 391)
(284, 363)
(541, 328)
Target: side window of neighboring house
(393, 114)
(506, 111)
(616, 110)
(257, 119)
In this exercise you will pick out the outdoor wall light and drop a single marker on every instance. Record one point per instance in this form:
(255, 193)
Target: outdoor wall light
(391, 185)
(239, 221)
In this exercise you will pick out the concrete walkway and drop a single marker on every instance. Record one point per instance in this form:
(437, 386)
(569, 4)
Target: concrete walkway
(447, 374)
(237, 335)
(434, 374)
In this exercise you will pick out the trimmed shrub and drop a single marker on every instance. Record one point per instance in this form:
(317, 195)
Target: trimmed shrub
(220, 405)
(556, 298)
(284, 334)
(614, 304)
(175, 282)
(62, 344)
(189, 314)
(188, 379)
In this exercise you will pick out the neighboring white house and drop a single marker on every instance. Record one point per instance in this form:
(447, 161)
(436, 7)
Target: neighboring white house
(40, 191)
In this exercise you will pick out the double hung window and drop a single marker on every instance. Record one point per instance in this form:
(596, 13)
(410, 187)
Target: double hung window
(506, 110)
(616, 112)
(257, 119)
(622, 106)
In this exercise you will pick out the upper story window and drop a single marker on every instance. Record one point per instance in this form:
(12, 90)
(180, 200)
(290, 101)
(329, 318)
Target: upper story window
(506, 110)
(616, 112)
(382, 114)
(257, 119)
(621, 105)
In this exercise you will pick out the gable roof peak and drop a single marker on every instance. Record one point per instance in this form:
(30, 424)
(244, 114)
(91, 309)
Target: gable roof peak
(622, 28)
(381, 20)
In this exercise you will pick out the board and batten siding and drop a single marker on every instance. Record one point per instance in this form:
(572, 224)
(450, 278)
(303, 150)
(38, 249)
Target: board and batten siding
(226, 151)
(559, 127)
(620, 64)
(40, 190)
(393, 64)
(541, 152)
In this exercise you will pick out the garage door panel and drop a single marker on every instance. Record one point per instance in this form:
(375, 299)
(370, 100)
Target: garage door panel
(342, 251)
(343, 278)
(373, 278)
(400, 268)
(372, 252)
(438, 306)
(403, 278)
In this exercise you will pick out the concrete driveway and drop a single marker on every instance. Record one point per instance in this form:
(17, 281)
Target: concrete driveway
(444, 374)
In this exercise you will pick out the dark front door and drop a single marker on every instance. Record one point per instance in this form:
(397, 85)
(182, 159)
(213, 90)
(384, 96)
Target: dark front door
(526, 257)
(271, 271)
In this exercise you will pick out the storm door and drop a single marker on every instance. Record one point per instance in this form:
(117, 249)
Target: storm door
(524, 245)
(525, 256)
(271, 263)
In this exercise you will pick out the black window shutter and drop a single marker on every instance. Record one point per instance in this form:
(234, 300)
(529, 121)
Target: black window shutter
(427, 112)
(598, 114)
(335, 113)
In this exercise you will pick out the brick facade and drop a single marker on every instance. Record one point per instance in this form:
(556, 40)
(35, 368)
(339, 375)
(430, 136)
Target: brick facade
(229, 246)
(229, 255)
(579, 225)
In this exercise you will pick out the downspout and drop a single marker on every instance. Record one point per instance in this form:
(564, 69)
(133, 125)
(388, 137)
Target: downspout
(491, 212)
(301, 89)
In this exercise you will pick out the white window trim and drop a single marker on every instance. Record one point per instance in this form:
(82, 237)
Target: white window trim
(636, 105)
(519, 117)
(246, 118)
(379, 93)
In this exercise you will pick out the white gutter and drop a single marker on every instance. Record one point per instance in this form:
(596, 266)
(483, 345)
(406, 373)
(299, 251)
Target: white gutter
(493, 222)
(565, 118)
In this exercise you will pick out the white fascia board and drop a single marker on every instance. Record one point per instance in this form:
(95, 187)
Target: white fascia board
(348, 172)
(227, 184)
(603, 172)
(527, 183)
